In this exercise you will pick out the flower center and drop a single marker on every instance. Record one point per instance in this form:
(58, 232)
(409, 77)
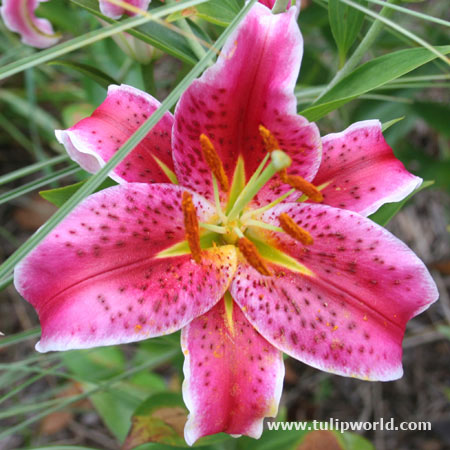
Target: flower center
(234, 225)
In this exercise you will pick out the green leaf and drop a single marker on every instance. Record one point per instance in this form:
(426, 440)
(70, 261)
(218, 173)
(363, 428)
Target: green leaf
(103, 79)
(152, 33)
(389, 123)
(59, 196)
(220, 12)
(369, 76)
(346, 23)
(160, 418)
(444, 330)
(389, 210)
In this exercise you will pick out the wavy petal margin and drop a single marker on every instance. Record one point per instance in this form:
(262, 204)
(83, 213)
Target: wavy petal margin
(100, 279)
(361, 170)
(348, 316)
(233, 376)
(95, 139)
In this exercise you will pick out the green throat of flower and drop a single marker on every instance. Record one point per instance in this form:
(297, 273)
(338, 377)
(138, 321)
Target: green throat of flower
(237, 224)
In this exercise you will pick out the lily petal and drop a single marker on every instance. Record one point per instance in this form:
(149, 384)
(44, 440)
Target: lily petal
(115, 11)
(233, 376)
(19, 16)
(251, 84)
(361, 170)
(349, 316)
(94, 140)
(97, 279)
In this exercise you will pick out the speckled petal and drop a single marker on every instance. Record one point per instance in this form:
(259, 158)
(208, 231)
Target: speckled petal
(115, 11)
(19, 16)
(233, 376)
(349, 316)
(97, 278)
(361, 170)
(251, 84)
(94, 140)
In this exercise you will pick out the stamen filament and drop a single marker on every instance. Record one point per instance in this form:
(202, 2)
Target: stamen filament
(222, 216)
(279, 161)
(251, 254)
(300, 184)
(258, 211)
(298, 233)
(211, 227)
(214, 162)
(238, 232)
(191, 226)
(266, 226)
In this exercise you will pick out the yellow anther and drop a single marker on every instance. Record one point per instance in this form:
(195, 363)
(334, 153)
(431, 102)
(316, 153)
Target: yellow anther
(293, 230)
(250, 252)
(270, 141)
(191, 226)
(299, 183)
(214, 162)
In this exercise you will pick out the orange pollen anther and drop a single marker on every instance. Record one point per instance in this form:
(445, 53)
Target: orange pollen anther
(214, 162)
(270, 141)
(293, 230)
(299, 183)
(249, 250)
(191, 226)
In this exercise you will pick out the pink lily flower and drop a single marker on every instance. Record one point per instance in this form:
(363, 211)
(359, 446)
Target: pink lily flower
(228, 254)
(116, 11)
(19, 16)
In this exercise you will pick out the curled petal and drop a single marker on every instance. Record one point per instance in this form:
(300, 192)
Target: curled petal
(116, 11)
(361, 170)
(251, 84)
(100, 279)
(94, 140)
(19, 17)
(346, 311)
(233, 376)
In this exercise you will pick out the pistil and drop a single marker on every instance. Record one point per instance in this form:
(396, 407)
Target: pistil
(280, 161)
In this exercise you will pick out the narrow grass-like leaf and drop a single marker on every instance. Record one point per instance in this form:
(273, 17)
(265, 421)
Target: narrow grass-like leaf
(345, 23)
(7, 178)
(59, 196)
(19, 337)
(399, 29)
(36, 184)
(89, 38)
(92, 73)
(411, 12)
(389, 124)
(371, 75)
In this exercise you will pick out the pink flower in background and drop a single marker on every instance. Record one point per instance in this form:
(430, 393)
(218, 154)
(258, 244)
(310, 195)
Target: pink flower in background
(229, 255)
(19, 16)
(116, 11)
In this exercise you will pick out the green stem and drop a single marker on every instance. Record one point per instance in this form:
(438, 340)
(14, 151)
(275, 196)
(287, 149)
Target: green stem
(370, 37)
